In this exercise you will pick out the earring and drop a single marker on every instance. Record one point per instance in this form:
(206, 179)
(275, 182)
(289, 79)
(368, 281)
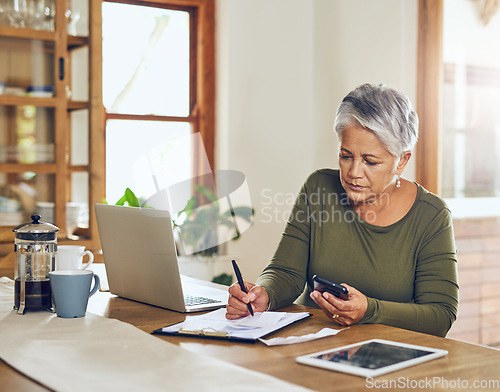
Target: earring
(398, 181)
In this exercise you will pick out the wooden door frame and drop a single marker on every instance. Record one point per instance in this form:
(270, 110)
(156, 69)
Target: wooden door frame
(429, 93)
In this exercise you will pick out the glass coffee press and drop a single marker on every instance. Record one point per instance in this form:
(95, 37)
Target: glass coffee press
(35, 247)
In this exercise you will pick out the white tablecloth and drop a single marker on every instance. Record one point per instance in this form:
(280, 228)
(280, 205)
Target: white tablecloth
(94, 353)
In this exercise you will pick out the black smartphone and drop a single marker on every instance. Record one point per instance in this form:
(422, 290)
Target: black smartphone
(322, 284)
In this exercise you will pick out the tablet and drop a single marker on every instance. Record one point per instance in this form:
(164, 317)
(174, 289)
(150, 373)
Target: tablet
(371, 358)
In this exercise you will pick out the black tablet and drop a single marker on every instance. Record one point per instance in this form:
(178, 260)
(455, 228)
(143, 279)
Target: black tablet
(371, 358)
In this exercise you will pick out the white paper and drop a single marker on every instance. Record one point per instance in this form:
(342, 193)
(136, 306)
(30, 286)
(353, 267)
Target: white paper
(299, 339)
(250, 327)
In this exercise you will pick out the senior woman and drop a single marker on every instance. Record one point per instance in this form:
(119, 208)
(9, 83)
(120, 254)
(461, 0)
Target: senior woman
(390, 240)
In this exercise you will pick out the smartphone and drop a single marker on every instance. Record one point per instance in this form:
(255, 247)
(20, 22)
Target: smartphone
(322, 285)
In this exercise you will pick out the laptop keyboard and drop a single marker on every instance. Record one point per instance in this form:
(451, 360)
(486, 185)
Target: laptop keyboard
(191, 300)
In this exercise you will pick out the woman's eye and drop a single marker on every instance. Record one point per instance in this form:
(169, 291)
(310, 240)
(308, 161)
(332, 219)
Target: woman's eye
(342, 156)
(369, 163)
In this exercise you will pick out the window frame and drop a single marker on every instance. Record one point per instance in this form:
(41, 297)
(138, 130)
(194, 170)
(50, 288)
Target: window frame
(431, 74)
(429, 93)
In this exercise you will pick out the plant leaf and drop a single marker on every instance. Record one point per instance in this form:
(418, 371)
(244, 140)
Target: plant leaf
(207, 192)
(131, 198)
(224, 279)
(244, 212)
(121, 201)
(191, 205)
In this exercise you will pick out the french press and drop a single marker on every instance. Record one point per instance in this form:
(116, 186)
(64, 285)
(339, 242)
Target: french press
(35, 247)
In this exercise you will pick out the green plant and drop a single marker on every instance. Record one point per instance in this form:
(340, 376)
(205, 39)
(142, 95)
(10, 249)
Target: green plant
(225, 279)
(198, 224)
(130, 199)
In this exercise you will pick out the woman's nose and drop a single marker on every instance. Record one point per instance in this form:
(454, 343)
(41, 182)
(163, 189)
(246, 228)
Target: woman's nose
(355, 170)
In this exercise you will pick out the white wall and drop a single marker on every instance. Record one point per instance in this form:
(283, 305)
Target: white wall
(283, 66)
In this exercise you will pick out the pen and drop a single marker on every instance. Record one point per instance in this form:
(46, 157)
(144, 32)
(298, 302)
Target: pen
(242, 285)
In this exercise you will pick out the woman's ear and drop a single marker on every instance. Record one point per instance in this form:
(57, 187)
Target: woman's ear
(403, 161)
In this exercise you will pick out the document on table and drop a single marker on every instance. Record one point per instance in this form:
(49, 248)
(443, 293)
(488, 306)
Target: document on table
(279, 341)
(250, 328)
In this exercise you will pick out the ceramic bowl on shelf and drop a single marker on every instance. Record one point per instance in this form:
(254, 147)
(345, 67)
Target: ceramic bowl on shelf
(40, 91)
(18, 91)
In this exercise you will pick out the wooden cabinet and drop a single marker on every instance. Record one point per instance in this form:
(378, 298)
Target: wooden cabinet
(51, 126)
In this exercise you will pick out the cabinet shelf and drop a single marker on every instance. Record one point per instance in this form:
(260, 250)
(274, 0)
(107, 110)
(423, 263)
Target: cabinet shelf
(59, 135)
(28, 167)
(75, 42)
(77, 105)
(15, 100)
(18, 32)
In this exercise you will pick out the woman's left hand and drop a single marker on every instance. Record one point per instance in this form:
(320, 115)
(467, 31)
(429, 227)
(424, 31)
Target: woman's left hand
(343, 312)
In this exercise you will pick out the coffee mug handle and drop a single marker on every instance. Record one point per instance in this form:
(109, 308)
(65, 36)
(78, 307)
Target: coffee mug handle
(97, 283)
(91, 258)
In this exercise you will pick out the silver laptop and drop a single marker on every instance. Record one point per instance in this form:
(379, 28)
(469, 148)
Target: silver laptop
(141, 261)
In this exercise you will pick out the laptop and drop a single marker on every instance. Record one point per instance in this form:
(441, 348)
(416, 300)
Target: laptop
(141, 261)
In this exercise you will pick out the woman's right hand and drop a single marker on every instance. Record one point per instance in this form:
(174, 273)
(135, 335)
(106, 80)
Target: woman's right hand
(237, 303)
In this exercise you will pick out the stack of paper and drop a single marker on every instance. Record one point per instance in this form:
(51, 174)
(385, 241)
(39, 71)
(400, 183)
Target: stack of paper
(215, 324)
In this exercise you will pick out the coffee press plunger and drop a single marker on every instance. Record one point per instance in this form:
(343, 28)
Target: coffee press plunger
(35, 247)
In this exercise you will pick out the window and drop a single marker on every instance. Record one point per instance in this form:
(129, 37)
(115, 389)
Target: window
(462, 121)
(158, 88)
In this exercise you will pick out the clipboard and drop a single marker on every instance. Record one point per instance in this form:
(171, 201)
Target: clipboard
(200, 326)
(206, 334)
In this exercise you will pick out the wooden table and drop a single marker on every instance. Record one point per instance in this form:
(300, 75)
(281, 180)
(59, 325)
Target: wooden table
(464, 365)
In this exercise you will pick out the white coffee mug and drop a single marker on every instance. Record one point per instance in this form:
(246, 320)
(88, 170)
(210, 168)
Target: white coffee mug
(71, 257)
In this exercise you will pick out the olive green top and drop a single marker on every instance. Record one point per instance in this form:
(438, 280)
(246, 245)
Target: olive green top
(407, 270)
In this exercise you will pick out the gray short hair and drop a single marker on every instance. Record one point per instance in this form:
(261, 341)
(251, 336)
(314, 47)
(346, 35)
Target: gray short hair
(383, 110)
